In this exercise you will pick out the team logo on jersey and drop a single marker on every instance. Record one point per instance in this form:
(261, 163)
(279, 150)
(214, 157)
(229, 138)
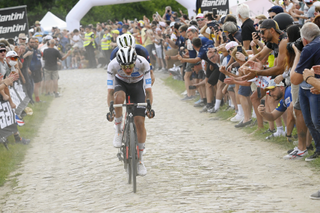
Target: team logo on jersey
(148, 81)
(135, 74)
(287, 101)
(110, 82)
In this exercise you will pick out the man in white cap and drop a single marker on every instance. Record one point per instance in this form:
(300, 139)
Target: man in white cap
(201, 20)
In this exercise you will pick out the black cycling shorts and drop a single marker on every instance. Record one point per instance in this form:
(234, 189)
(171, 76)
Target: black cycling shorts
(213, 74)
(135, 91)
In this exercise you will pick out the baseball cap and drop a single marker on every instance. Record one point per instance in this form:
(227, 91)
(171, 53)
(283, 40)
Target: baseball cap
(37, 22)
(308, 1)
(116, 32)
(48, 37)
(22, 35)
(162, 24)
(270, 23)
(273, 85)
(12, 54)
(192, 27)
(2, 46)
(276, 9)
(231, 44)
(120, 22)
(200, 15)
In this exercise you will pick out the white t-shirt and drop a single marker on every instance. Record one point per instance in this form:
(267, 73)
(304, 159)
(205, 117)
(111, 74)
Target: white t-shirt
(289, 7)
(78, 38)
(141, 71)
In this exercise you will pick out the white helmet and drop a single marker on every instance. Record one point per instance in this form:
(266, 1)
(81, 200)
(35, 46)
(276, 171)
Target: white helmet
(126, 40)
(126, 55)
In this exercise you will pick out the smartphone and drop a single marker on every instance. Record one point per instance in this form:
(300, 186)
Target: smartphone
(239, 49)
(192, 87)
(263, 102)
(214, 12)
(211, 24)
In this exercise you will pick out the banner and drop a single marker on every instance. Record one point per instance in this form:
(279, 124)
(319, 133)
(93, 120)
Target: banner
(19, 97)
(13, 21)
(8, 124)
(205, 6)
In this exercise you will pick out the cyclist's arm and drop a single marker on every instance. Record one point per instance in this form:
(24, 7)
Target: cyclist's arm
(110, 82)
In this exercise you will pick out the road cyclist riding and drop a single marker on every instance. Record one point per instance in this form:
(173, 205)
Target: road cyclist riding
(129, 79)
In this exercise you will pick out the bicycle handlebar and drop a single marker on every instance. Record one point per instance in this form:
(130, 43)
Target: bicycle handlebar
(110, 115)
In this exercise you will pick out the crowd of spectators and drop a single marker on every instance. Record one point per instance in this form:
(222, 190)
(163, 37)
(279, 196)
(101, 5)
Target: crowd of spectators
(261, 67)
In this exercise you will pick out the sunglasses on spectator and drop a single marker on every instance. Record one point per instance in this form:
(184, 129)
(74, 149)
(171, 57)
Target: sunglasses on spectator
(256, 25)
(130, 66)
(1, 51)
(271, 17)
(200, 19)
(13, 58)
(262, 31)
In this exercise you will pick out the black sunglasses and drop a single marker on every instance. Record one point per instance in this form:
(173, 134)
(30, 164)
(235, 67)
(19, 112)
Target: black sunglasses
(1, 51)
(262, 31)
(271, 17)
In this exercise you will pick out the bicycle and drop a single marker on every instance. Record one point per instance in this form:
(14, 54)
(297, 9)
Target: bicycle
(129, 151)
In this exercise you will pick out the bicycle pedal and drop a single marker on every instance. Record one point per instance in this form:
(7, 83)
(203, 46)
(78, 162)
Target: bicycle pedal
(119, 157)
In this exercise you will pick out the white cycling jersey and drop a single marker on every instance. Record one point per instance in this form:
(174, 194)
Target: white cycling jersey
(141, 71)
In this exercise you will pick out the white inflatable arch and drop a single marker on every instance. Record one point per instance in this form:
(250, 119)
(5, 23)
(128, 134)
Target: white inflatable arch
(83, 6)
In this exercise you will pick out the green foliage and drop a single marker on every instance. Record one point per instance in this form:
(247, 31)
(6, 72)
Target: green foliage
(37, 9)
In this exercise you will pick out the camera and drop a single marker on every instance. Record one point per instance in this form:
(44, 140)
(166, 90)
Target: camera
(256, 35)
(168, 11)
(216, 28)
(234, 70)
(298, 43)
(239, 49)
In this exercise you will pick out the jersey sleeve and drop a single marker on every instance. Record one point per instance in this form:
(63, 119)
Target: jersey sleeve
(281, 107)
(111, 74)
(146, 73)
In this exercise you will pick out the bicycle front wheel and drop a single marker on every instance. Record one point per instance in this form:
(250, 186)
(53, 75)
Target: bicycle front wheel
(134, 157)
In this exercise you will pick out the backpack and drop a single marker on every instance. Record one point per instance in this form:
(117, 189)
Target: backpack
(35, 64)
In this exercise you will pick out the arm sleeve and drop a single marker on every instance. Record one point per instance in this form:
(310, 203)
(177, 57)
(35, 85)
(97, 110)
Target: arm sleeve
(281, 107)
(147, 76)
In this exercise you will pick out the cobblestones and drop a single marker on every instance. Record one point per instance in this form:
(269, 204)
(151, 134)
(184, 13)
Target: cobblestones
(195, 163)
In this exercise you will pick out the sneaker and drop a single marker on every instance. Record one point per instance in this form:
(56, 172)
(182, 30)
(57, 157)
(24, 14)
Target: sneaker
(314, 156)
(187, 98)
(315, 196)
(213, 110)
(99, 65)
(199, 103)
(142, 170)
(117, 140)
(204, 109)
(269, 131)
(22, 140)
(278, 133)
(236, 118)
(57, 95)
(184, 93)
(296, 154)
(310, 147)
(243, 124)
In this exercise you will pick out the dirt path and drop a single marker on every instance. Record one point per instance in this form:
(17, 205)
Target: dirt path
(195, 163)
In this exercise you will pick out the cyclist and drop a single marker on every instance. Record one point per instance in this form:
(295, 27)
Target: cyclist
(129, 75)
(126, 40)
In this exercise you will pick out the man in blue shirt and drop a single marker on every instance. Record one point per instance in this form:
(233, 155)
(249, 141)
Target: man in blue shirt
(309, 103)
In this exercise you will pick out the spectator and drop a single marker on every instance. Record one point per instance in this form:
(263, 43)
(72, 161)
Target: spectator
(35, 68)
(22, 38)
(38, 34)
(90, 45)
(50, 56)
(247, 28)
(273, 11)
(308, 57)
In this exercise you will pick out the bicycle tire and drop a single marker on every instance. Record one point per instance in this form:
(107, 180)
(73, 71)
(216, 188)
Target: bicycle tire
(133, 152)
(127, 161)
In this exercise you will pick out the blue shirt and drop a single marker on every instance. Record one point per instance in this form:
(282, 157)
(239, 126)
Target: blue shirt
(180, 41)
(310, 56)
(285, 103)
(203, 51)
(193, 53)
(140, 51)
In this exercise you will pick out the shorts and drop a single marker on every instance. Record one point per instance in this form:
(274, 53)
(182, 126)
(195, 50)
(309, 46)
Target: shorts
(36, 76)
(136, 93)
(159, 52)
(231, 87)
(212, 75)
(188, 68)
(222, 77)
(201, 75)
(51, 75)
(297, 105)
(244, 90)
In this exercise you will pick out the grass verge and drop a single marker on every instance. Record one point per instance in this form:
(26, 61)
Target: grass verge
(10, 159)
(224, 114)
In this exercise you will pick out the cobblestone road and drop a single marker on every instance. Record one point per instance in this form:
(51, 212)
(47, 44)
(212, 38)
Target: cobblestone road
(195, 163)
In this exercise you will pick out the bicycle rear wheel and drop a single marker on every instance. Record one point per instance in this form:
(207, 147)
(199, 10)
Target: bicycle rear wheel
(126, 153)
(134, 157)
